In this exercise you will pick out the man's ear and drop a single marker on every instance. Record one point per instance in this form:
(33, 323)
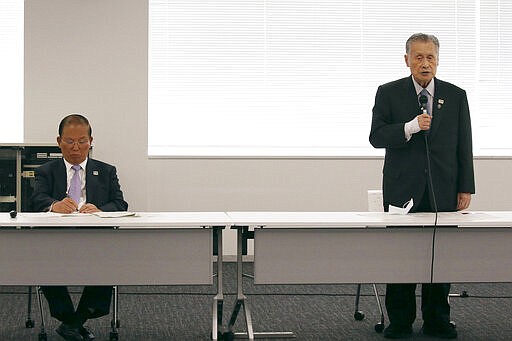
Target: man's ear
(406, 60)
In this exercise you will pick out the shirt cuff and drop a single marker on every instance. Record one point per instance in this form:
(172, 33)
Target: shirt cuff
(411, 127)
(51, 207)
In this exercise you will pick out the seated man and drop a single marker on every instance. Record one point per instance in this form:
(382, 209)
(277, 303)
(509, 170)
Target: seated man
(77, 183)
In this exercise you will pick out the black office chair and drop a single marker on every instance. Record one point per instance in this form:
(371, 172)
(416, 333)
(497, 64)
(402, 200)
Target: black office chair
(359, 315)
(42, 336)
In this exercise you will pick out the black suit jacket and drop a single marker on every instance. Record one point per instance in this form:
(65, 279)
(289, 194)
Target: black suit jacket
(405, 165)
(101, 184)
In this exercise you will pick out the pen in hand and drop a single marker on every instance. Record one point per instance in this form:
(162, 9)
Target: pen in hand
(75, 203)
(66, 205)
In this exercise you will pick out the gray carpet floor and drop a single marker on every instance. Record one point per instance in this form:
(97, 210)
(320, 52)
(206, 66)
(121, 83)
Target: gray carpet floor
(312, 312)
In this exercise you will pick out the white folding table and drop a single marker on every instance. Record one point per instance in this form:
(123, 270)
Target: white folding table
(150, 248)
(473, 247)
(332, 247)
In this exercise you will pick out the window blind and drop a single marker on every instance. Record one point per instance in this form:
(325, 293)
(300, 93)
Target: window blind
(11, 70)
(297, 78)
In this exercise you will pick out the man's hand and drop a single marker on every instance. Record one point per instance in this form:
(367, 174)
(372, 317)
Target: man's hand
(424, 121)
(89, 208)
(463, 200)
(66, 205)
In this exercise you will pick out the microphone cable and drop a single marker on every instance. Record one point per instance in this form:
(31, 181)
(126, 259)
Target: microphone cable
(423, 101)
(431, 185)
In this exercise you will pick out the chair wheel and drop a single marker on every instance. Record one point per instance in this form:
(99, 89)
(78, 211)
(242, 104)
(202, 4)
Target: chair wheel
(42, 337)
(359, 315)
(29, 323)
(228, 336)
(379, 327)
(114, 336)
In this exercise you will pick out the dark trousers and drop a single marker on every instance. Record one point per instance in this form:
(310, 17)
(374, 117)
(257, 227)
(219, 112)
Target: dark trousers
(401, 298)
(94, 302)
(401, 303)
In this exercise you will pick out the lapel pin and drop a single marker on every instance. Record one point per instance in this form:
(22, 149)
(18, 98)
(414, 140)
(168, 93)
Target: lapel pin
(95, 172)
(440, 102)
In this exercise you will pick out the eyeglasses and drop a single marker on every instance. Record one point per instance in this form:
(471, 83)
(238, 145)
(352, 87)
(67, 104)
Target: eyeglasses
(81, 142)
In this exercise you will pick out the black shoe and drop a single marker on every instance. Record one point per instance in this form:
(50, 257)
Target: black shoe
(86, 333)
(69, 332)
(397, 332)
(443, 330)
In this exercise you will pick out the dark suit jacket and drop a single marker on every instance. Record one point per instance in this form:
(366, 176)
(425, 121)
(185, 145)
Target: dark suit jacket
(405, 164)
(101, 184)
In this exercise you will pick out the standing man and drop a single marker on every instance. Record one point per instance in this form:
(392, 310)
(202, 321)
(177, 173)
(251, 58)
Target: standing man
(440, 135)
(77, 183)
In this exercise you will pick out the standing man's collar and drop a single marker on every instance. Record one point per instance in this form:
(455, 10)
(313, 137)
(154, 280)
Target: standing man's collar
(430, 87)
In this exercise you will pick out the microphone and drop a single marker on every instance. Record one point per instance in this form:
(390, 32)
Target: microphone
(423, 102)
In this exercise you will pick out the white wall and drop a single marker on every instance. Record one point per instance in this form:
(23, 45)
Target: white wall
(90, 56)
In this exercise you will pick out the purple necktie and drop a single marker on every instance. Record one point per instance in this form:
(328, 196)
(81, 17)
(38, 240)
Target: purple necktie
(75, 186)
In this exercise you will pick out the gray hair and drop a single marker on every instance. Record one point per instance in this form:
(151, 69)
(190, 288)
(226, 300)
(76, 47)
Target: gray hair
(421, 37)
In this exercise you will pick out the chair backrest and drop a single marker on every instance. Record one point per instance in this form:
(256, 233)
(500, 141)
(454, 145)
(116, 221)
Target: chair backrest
(375, 203)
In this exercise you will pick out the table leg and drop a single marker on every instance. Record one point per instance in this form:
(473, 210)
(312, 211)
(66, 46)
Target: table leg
(218, 300)
(241, 300)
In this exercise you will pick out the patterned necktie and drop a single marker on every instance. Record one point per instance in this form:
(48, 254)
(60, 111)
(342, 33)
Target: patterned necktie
(75, 186)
